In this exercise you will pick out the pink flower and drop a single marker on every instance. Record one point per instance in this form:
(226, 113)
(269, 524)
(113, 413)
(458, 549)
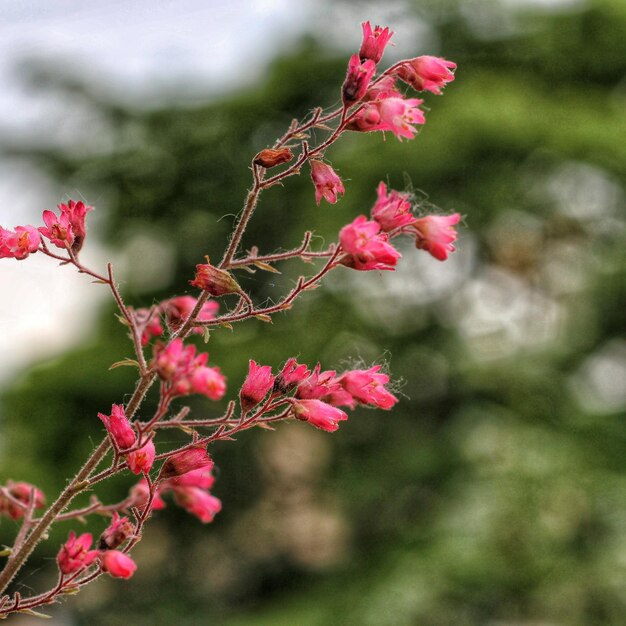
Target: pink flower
(366, 247)
(198, 502)
(118, 427)
(291, 374)
(215, 281)
(19, 244)
(139, 494)
(436, 234)
(118, 564)
(201, 477)
(389, 113)
(58, 229)
(209, 382)
(76, 212)
(174, 359)
(327, 184)
(397, 115)
(318, 413)
(75, 553)
(180, 308)
(140, 461)
(368, 387)
(258, 382)
(374, 42)
(21, 491)
(427, 73)
(357, 80)
(392, 210)
(317, 385)
(186, 461)
(118, 531)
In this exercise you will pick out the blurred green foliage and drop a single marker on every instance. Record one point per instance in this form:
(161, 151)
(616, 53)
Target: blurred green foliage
(493, 493)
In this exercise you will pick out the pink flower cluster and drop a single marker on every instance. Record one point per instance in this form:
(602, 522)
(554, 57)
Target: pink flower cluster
(366, 242)
(188, 476)
(76, 553)
(66, 230)
(183, 372)
(382, 106)
(317, 394)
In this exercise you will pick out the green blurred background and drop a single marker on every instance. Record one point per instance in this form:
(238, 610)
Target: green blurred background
(494, 492)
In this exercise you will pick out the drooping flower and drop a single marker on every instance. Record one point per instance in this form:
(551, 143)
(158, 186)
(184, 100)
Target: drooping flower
(327, 184)
(192, 459)
(75, 553)
(258, 382)
(366, 247)
(291, 375)
(215, 281)
(398, 114)
(389, 113)
(198, 502)
(118, 564)
(201, 477)
(118, 427)
(19, 244)
(140, 461)
(436, 234)
(357, 80)
(118, 531)
(368, 387)
(57, 229)
(374, 42)
(318, 413)
(427, 73)
(21, 491)
(392, 210)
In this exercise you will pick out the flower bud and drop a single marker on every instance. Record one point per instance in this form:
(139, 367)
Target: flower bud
(318, 413)
(357, 79)
(119, 427)
(186, 461)
(118, 564)
(214, 280)
(327, 184)
(270, 157)
(258, 382)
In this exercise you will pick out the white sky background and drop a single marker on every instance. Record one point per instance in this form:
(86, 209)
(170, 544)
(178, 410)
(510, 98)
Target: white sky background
(136, 49)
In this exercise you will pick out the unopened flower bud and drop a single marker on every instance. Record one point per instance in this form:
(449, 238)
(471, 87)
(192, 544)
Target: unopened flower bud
(186, 461)
(214, 280)
(271, 158)
(118, 564)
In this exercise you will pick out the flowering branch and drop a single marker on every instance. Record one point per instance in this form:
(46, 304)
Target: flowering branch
(369, 104)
